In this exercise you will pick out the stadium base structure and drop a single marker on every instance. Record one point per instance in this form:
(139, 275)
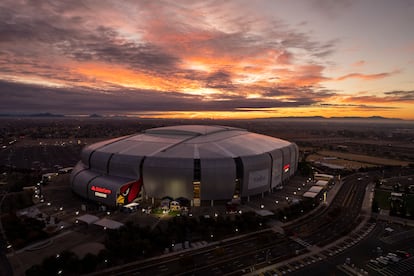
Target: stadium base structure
(200, 163)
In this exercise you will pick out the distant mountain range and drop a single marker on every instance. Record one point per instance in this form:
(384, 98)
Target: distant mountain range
(46, 114)
(52, 115)
(335, 118)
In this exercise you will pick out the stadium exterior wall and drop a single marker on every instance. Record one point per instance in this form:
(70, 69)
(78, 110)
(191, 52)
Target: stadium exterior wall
(171, 161)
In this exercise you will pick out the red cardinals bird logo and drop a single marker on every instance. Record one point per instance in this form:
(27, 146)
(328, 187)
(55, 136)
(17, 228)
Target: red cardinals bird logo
(129, 192)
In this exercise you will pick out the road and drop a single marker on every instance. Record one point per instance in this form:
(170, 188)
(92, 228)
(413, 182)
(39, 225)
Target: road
(256, 251)
(336, 220)
(232, 256)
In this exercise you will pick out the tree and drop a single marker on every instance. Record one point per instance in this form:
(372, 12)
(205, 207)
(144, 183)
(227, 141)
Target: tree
(374, 206)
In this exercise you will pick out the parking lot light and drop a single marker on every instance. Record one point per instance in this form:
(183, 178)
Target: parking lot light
(48, 204)
(237, 229)
(108, 213)
(277, 201)
(61, 209)
(261, 206)
(215, 214)
(57, 255)
(77, 213)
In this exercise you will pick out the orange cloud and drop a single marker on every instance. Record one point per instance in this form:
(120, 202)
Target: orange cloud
(102, 74)
(393, 98)
(303, 75)
(366, 76)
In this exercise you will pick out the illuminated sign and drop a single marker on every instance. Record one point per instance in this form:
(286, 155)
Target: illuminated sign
(101, 190)
(98, 194)
(286, 168)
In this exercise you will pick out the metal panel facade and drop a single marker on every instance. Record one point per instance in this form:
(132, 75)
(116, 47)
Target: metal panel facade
(76, 170)
(293, 158)
(217, 178)
(99, 161)
(86, 152)
(168, 177)
(256, 174)
(286, 163)
(297, 157)
(81, 181)
(125, 166)
(276, 168)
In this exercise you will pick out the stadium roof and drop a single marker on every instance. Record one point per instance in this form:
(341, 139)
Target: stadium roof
(192, 141)
(192, 130)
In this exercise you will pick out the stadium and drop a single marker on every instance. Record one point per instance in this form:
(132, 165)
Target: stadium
(200, 163)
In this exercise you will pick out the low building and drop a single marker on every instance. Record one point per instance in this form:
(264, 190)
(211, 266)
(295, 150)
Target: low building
(322, 183)
(322, 176)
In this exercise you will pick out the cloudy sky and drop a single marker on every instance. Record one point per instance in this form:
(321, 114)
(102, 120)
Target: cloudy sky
(208, 59)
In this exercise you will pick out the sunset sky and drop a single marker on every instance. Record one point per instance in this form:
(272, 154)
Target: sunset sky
(208, 59)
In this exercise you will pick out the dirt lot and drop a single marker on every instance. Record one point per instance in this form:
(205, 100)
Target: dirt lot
(352, 161)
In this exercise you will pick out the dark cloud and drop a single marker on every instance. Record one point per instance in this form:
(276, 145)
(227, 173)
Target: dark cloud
(306, 95)
(401, 95)
(29, 98)
(51, 41)
(220, 80)
(106, 45)
(64, 29)
(67, 36)
(359, 106)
